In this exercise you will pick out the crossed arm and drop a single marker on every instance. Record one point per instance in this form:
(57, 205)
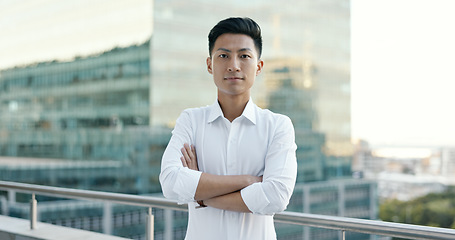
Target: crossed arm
(218, 191)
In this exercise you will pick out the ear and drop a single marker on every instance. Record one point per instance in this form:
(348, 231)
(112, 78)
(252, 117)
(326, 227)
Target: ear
(259, 67)
(209, 65)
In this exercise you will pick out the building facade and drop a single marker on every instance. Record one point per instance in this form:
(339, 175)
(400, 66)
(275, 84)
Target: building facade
(448, 165)
(49, 109)
(88, 111)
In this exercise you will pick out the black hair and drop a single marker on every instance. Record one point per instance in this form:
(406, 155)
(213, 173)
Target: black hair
(237, 25)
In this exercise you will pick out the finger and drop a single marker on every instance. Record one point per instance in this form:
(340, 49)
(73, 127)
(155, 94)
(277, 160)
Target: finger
(190, 153)
(186, 146)
(193, 150)
(183, 162)
(185, 154)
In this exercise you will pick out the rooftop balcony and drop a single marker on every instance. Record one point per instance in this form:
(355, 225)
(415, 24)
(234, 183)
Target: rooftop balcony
(12, 228)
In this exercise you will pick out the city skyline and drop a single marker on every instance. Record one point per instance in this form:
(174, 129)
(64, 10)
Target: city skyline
(399, 106)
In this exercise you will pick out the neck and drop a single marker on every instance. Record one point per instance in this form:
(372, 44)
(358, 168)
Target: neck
(232, 106)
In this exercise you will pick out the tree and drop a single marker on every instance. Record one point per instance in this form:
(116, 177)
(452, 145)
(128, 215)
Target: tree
(434, 209)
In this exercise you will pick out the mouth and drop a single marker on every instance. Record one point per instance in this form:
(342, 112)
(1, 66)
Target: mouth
(233, 78)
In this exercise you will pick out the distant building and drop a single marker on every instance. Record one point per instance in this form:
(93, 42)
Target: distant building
(406, 176)
(365, 165)
(448, 165)
(406, 187)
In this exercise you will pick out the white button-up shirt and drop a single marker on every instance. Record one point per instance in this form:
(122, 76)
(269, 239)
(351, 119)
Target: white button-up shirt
(259, 143)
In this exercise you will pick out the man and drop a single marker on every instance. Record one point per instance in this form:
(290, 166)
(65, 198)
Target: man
(237, 166)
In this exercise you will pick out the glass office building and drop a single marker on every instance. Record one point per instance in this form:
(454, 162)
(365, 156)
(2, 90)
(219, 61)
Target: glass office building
(93, 112)
(82, 124)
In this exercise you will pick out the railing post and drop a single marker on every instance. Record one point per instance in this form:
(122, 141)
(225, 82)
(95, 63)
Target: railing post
(33, 211)
(107, 218)
(168, 223)
(150, 225)
(11, 196)
(4, 203)
(343, 234)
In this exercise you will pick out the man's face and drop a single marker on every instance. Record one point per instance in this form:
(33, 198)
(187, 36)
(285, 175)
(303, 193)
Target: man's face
(234, 64)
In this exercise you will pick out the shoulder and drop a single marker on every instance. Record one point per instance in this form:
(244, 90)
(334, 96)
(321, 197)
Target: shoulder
(279, 127)
(194, 114)
(272, 117)
(196, 110)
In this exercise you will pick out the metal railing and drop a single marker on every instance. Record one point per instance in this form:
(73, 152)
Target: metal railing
(342, 224)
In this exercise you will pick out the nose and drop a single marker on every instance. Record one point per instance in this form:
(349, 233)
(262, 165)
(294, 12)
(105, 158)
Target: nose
(234, 66)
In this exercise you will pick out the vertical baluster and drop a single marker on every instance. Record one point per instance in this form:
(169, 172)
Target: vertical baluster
(343, 235)
(150, 225)
(33, 211)
(168, 224)
(107, 218)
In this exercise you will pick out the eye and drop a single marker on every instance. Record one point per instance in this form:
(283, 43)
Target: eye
(223, 55)
(245, 56)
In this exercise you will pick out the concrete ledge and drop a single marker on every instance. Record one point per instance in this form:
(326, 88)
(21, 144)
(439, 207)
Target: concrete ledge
(19, 229)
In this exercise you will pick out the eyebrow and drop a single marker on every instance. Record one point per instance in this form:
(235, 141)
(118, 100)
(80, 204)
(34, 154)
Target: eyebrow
(240, 50)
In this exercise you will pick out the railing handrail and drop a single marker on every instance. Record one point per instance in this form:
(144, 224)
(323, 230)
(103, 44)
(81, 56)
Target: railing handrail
(374, 227)
(121, 198)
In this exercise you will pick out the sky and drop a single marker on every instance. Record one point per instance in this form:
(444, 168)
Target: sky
(78, 27)
(402, 73)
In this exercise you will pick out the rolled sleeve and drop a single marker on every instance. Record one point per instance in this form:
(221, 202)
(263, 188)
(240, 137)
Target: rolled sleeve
(178, 182)
(186, 184)
(254, 198)
(273, 193)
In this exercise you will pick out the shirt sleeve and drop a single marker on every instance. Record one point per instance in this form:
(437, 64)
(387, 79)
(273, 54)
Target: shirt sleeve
(273, 193)
(178, 182)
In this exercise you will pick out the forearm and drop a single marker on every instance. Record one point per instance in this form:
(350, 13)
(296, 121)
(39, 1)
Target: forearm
(232, 202)
(211, 186)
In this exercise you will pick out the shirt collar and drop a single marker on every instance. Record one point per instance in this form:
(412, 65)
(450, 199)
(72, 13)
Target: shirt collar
(248, 112)
(215, 112)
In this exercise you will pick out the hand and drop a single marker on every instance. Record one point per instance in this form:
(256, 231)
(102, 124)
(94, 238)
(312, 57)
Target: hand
(189, 158)
(254, 179)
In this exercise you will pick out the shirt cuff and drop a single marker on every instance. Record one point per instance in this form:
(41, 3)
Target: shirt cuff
(254, 198)
(186, 184)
